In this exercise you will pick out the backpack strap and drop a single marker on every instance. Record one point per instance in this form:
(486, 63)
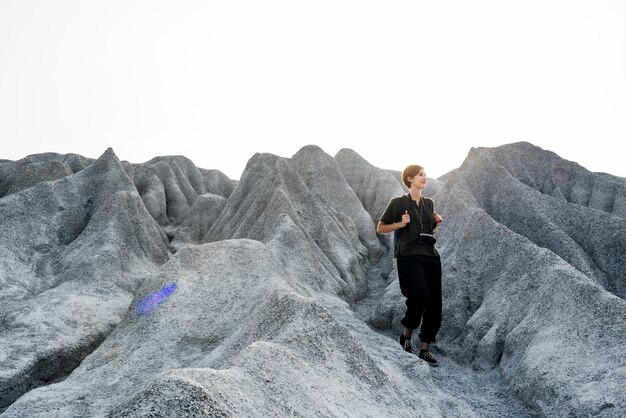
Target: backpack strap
(406, 203)
(408, 206)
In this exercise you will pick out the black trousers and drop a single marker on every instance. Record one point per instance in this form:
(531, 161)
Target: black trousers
(420, 283)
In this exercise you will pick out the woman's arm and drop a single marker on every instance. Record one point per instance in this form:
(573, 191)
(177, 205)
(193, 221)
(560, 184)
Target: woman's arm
(382, 228)
(437, 219)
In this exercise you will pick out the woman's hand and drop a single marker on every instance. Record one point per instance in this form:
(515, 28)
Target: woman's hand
(406, 218)
(438, 219)
(382, 228)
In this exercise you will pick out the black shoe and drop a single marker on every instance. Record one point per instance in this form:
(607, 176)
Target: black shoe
(405, 342)
(425, 355)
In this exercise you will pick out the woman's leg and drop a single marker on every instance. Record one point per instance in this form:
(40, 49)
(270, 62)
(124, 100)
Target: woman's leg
(433, 309)
(414, 289)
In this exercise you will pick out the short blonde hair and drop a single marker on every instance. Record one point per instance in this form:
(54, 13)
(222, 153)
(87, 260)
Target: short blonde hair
(410, 171)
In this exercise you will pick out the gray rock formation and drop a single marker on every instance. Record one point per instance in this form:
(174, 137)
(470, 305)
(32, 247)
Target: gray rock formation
(292, 306)
(305, 211)
(230, 328)
(566, 180)
(217, 182)
(72, 253)
(232, 339)
(534, 284)
(170, 187)
(22, 174)
(372, 185)
(167, 185)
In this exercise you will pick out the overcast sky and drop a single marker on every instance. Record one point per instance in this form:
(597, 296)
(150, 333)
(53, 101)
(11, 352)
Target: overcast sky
(399, 82)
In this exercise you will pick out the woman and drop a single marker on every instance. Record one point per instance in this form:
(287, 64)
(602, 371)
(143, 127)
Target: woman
(413, 219)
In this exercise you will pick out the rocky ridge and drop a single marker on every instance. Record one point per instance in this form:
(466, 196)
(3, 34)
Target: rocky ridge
(162, 289)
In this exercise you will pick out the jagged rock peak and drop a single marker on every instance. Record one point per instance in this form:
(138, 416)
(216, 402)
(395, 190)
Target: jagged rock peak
(516, 154)
(108, 159)
(552, 175)
(373, 186)
(348, 154)
(71, 251)
(302, 205)
(311, 149)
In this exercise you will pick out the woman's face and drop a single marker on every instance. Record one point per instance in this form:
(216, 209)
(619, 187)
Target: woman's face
(419, 180)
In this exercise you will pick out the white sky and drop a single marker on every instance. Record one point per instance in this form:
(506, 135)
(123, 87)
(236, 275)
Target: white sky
(399, 82)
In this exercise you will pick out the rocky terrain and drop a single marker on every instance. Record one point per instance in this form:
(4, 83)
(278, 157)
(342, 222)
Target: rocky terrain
(162, 289)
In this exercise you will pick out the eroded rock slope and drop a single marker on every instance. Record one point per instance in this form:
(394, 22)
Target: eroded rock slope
(112, 305)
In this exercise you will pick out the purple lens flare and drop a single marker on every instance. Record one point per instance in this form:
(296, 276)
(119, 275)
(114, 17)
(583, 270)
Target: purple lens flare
(148, 304)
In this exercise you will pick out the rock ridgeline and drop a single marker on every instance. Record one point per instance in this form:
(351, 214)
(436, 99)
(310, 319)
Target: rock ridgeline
(306, 213)
(535, 283)
(163, 289)
(565, 180)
